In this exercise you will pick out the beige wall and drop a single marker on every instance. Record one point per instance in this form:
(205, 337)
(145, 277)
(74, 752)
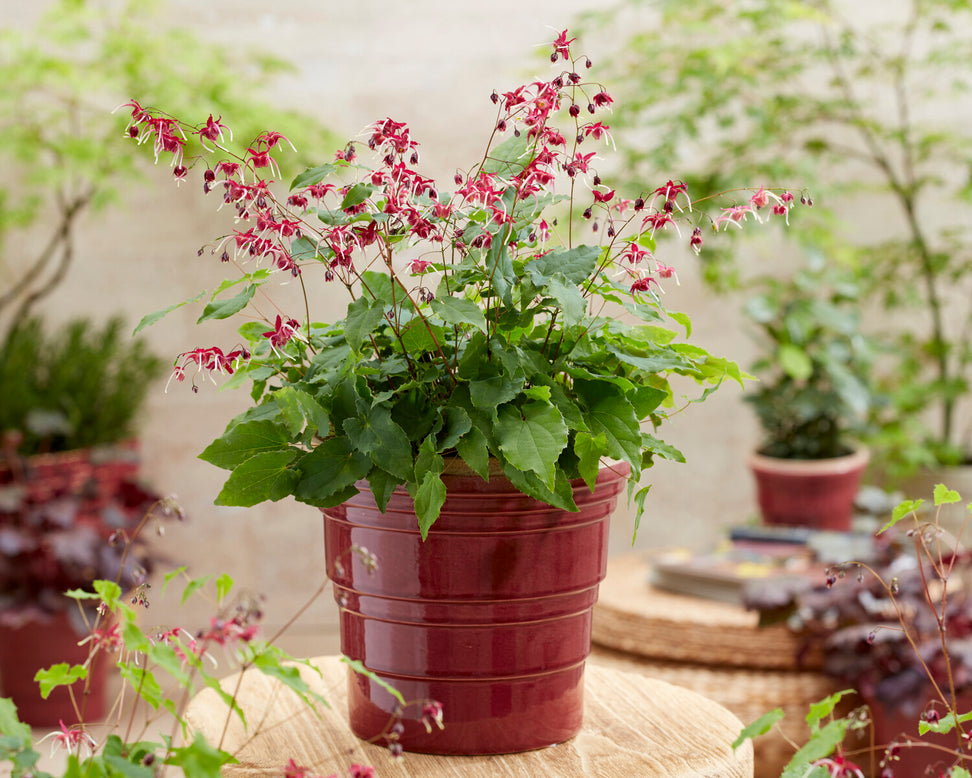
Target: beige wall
(432, 64)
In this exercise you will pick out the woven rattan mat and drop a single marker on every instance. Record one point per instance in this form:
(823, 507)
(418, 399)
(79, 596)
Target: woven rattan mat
(633, 616)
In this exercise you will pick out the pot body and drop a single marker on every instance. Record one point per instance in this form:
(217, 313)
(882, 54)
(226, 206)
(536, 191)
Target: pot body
(489, 616)
(39, 644)
(817, 493)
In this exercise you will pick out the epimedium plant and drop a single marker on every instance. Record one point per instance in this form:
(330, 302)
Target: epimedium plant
(161, 668)
(517, 318)
(896, 629)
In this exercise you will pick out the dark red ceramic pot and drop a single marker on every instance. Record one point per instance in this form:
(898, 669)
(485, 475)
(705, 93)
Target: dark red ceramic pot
(490, 616)
(816, 493)
(37, 645)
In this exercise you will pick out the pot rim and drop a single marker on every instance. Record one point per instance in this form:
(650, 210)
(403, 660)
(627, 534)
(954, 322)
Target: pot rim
(856, 460)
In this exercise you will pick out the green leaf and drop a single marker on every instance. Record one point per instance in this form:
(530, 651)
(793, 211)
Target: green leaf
(151, 318)
(761, 726)
(455, 424)
(900, 511)
(264, 476)
(458, 310)
(10, 724)
(821, 743)
(488, 393)
(473, 450)
(223, 309)
(944, 725)
(269, 661)
(945, 496)
(639, 501)
(589, 450)
(330, 472)
(356, 195)
(243, 441)
(825, 707)
(363, 316)
(194, 585)
(572, 302)
(510, 157)
(224, 585)
(375, 433)
(298, 407)
(576, 265)
(61, 674)
(312, 176)
(608, 412)
(360, 669)
(794, 361)
(382, 486)
(532, 437)
(429, 498)
(143, 683)
(200, 759)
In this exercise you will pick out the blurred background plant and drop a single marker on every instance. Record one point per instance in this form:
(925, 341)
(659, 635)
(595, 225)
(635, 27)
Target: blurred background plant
(76, 384)
(823, 94)
(815, 365)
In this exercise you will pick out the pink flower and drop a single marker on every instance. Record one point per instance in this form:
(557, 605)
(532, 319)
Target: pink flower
(74, 739)
(561, 47)
(419, 266)
(735, 214)
(213, 131)
(282, 332)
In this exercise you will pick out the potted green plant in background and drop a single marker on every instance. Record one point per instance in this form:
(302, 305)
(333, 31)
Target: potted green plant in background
(472, 414)
(813, 396)
(860, 107)
(73, 385)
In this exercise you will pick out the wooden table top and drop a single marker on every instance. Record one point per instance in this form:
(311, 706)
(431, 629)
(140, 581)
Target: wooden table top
(633, 725)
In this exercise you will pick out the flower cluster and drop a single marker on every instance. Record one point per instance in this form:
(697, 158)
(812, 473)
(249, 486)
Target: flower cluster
(473, 315)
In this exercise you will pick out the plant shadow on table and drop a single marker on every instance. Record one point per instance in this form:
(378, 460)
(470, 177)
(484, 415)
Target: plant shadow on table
(898, 633)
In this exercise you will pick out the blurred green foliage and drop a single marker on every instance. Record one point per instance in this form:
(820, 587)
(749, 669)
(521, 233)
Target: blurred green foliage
(862, 110)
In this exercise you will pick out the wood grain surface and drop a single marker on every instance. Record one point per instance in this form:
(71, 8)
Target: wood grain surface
(634, 726)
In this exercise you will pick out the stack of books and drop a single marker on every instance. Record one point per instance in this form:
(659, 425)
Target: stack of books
(788, 558)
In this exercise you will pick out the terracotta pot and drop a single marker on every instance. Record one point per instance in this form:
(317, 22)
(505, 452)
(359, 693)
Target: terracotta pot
(817, 493)
(36, 645)
(490, 616)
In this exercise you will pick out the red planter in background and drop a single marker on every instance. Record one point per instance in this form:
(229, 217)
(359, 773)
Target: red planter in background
(490, 616)
(892, 725)
(36, 645)
(816, 493)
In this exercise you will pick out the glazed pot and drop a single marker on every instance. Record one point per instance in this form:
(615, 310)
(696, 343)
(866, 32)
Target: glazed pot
(489, 616)
(38, 644)
(816, 493)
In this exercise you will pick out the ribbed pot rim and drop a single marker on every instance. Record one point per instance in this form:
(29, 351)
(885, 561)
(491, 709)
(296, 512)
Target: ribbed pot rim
(856, 460)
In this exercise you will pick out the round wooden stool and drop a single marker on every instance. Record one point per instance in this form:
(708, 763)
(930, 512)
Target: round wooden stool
(633, 726)
(713, 648)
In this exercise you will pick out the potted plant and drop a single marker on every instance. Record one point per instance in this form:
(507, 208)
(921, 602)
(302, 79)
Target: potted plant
(471, 412)
(814, 394)
(59, 534)
(897, 630)
(837, 100)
